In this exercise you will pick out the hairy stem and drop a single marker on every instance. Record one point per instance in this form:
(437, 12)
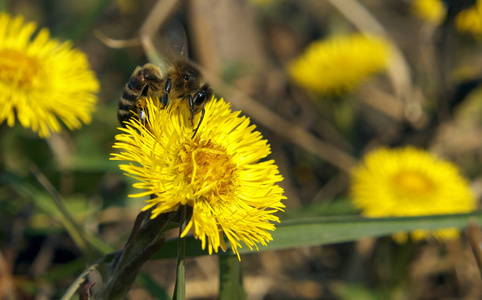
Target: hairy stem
(143, 242)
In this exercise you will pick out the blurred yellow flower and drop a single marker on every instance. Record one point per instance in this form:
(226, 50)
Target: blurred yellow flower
(410, 182)
(339, 63)
(217, 172)
(43, 80)
(432, 11)
(470, 19)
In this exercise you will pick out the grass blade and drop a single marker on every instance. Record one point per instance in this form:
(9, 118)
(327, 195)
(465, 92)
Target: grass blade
(329, 230)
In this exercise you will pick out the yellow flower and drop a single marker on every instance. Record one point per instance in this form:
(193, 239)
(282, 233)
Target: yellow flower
(43, 80)
(470, 19)
(410, 182)
(432, 11)
(217, 172)
(339, 63)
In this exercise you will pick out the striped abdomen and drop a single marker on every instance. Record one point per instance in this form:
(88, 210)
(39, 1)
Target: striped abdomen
(144, 82)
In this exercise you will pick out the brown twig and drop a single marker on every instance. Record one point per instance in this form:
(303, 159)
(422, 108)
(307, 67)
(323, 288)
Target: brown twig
(7, 290)
(117, 44)
(154, 21)
(297, 134)
(474, 235)
(84, 290)
(158, 16)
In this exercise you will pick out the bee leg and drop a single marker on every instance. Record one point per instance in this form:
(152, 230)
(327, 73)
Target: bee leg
(167, 89)
(191, 106)
(199, 124)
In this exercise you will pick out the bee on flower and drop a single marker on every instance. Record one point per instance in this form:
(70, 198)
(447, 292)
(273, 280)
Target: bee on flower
(217, 172)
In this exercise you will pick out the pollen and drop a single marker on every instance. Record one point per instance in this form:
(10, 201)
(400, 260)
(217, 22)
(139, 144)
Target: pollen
(17, 69)
(208, 170)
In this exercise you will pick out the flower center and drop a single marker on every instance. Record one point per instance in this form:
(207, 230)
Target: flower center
(208, 170)
(18, 69)
(412, 183)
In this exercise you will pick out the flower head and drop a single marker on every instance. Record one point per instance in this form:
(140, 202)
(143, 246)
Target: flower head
(43, 80)
(217, 172)
(410, 182)
(470, 20)
(432, 11)
(339, 63)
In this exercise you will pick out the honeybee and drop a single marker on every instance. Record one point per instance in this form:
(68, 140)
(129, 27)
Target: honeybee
(182, 81)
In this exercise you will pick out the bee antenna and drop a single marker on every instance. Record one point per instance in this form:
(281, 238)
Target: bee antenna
(199, 124)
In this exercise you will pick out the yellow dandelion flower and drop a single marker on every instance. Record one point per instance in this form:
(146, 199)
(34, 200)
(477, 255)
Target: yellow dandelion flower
(470, 19)
(410, 182)
(432, 11)
(43, 80)
(217, 172)
(339, 63)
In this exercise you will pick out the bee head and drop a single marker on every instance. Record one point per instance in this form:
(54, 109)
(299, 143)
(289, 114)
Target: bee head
(185, 78)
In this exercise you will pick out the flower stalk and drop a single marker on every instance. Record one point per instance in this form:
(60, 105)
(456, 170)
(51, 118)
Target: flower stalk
(180, 287)
(147, 238)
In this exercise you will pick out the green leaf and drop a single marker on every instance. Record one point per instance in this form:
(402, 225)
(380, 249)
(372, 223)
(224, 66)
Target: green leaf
(230, 278)
(329, 230)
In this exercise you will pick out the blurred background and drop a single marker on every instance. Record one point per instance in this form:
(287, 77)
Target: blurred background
(428, 97)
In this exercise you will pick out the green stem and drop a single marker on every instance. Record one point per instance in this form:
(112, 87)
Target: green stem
(145, 240)
(230, 278)
(180, 287)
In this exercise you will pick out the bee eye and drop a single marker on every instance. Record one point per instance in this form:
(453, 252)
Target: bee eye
(200, 97)
(186, 77)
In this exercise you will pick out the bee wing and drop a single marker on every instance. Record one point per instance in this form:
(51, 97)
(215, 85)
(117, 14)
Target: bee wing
(174, 35)
(170, 44)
